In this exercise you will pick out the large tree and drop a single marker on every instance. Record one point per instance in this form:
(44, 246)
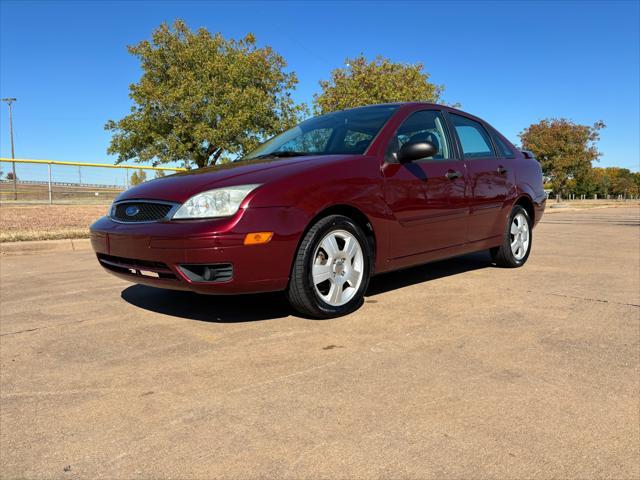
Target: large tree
(380, 81)
(564, 148)
(202, 96)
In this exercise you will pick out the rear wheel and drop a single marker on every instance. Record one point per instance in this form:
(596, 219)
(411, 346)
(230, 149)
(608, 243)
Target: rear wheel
(516, 244)
(331, 269)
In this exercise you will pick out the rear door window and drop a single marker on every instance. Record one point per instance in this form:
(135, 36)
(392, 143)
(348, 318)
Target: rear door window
(474, 139)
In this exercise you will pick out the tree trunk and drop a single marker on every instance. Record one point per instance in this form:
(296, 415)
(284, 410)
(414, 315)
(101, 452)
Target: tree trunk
(203, 159)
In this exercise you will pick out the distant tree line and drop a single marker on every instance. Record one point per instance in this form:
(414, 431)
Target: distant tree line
(605, 182)
(204, 99)
(567, 151)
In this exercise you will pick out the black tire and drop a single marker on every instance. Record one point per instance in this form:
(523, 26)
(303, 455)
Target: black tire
(301, 292)
(503, 256)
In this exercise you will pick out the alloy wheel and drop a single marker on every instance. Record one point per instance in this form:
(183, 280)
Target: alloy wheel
(338, 266)
(519, 236)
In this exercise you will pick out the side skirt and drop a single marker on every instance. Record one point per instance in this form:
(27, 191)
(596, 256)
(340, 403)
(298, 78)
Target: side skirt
(441, 254)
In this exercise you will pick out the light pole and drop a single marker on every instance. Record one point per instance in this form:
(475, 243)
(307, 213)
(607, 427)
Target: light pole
(13, 156)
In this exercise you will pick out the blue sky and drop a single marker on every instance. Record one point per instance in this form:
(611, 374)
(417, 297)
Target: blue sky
(511, 63)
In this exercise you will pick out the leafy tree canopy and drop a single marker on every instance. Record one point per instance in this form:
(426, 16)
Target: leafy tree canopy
(379, 81)
(202, 96)
(564, 149)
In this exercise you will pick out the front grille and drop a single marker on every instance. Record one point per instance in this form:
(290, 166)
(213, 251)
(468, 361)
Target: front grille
(132, 266)
(132, 212)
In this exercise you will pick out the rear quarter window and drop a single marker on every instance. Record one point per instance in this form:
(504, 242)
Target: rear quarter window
(503, 149)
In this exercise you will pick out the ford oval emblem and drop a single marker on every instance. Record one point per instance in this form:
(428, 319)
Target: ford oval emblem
(132, 211)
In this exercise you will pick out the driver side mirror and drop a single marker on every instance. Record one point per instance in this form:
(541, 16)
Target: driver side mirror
(411, 151)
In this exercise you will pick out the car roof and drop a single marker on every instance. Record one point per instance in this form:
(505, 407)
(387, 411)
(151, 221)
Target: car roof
(416, 105)
(393, 104)
(405, 104)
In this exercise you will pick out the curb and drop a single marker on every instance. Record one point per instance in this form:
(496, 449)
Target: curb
(44, 246)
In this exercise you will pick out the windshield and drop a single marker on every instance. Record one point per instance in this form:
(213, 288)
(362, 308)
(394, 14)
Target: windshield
(345, 132)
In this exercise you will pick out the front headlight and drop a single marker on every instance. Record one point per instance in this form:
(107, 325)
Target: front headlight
(221, 202)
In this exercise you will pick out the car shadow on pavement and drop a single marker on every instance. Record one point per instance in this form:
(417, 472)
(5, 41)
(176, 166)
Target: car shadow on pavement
(386, 282)
(270, 306)
(208, 308)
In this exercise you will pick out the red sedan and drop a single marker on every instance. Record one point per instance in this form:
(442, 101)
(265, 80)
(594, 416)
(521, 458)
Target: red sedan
(319, 209)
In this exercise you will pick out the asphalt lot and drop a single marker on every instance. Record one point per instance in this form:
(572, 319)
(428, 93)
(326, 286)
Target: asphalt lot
(452, 370)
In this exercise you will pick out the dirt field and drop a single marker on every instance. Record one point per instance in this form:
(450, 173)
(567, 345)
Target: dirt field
(450, 370)
(47, 222)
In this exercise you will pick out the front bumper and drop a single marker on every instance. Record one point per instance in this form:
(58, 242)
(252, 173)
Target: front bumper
(152, 253)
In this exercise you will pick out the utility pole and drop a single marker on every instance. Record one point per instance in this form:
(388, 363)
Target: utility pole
(13, 156)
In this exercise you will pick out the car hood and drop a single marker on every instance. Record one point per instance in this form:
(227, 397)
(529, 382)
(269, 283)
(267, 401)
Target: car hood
(181, 186)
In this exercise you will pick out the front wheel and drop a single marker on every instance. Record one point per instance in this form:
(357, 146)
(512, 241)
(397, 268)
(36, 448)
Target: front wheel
(331, 269)
(516, 244)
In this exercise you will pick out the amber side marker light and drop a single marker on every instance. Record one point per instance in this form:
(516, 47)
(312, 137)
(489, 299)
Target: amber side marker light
(256, 238)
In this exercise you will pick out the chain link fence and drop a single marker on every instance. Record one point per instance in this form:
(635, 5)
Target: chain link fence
(25, 181)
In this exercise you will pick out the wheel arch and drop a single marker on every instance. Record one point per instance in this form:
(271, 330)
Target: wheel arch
(525, 202)
(355, 214)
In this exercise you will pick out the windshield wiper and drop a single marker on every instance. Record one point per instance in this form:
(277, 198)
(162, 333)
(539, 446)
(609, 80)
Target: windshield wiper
(284, 154)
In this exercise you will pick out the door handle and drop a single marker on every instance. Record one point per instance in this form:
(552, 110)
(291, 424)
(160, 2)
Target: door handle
(452, 174)
(501, 170)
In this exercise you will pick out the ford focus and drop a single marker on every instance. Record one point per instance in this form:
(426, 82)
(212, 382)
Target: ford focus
(319, 209)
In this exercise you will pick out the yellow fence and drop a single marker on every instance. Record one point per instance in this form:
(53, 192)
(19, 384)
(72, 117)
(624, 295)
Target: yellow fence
(37, 181)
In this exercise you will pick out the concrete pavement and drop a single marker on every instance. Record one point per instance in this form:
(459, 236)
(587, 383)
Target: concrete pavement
(451, 370)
